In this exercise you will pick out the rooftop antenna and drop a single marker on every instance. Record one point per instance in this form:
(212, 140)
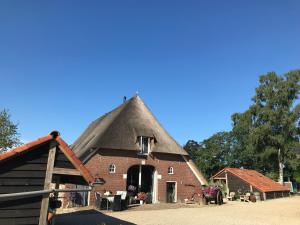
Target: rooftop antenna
(124, 99)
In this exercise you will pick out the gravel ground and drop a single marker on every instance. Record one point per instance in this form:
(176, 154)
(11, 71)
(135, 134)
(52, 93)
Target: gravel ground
(285, 211)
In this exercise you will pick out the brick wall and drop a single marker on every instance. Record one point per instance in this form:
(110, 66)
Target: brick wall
(187, 183)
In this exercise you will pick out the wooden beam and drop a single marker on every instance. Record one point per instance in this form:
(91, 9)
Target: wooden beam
(65, 171)
(48, 179)
(227, 186)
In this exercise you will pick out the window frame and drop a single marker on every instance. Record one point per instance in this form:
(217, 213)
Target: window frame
(112, 168)
(170, 170)
(142, 145)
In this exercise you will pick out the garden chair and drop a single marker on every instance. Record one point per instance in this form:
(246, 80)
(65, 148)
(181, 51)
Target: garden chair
(231, 196)
(98, 201)
(124, 199)
(247, 197)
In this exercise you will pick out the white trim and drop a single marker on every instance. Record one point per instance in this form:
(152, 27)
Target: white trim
(155, 187)
(142, 150)
(227, 187)
(112, 166)
(140, 176)
(170, 170)
(202, 182)
(149, 146)
(171, 181)
(89, 199)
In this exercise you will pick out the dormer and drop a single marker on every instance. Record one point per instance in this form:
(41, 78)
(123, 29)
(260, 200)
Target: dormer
(145, 145)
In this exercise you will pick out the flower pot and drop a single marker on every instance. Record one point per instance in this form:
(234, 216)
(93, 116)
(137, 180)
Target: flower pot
(141, 202)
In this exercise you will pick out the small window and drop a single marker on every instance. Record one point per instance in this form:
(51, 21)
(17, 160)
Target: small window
(112, 168)
(145, 145)
(170, 170)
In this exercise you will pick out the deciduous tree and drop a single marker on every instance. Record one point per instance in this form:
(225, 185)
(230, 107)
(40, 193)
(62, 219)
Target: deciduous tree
(9, 136)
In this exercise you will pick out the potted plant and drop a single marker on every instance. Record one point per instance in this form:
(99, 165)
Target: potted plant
(142, 197)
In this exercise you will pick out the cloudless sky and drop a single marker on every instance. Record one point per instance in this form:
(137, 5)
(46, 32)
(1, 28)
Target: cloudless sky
(65, 63)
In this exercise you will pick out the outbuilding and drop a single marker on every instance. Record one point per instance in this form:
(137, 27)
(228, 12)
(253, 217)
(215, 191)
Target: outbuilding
(27, 176)
(244, 180)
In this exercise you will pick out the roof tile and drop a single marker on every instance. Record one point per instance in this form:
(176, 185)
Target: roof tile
(255, 179)
(63, 147)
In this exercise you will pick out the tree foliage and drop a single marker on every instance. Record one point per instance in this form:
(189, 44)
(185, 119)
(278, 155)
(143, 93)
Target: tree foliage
(212, 154)
(270, 124)
(9, 136)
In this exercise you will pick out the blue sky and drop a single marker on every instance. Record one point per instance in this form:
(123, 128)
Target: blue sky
(194, 63)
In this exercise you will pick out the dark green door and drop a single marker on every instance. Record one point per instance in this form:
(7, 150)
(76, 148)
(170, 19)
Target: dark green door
(171, 192)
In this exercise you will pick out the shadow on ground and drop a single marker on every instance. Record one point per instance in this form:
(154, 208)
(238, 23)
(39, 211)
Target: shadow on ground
(88, 217)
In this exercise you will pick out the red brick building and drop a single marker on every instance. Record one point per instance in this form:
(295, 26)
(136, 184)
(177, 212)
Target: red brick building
(130, 150)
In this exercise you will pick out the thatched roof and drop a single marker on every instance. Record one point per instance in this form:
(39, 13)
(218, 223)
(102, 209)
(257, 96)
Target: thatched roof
(120, 129)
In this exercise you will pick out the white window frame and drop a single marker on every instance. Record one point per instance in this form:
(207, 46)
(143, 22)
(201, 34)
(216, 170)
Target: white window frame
(170, 170)
(112, 168)
(142, 145)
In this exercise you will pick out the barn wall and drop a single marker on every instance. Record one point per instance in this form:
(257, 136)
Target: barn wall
(277, 194)
(261, 194)
(187, 183)
(236, 184)
(21, 174)
(61, 161)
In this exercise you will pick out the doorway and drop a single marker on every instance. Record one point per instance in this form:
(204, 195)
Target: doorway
(171, 192)
(141, 178)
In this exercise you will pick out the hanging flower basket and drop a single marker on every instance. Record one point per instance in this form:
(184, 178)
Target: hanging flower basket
(142, 196)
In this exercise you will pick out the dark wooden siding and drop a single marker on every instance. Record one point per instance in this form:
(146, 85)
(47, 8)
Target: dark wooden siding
(261, 194)
(25, 172)
(236, 184)
(61, 161)
(277, 194)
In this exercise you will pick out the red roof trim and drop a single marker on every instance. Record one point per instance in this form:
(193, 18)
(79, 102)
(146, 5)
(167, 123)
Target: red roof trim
(25, 147)
(63, 147)
(74, 160)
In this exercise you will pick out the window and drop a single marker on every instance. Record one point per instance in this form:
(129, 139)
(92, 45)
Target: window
(170, 170)
(145, 145)
(112, 168)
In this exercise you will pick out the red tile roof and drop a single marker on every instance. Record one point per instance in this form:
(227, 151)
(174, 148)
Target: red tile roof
(62, 146)
(25, 147)
(255, 179)
(74, 160)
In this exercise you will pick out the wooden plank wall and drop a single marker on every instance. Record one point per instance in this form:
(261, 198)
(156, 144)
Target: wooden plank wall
(21, 174)
(61, 161)
(236, 184)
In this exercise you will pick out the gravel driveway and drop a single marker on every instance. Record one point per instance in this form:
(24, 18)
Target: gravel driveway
(284, 211)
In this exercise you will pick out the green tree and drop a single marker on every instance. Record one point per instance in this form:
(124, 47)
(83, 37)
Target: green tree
(212, 154)
(269, 129)
(9, 137)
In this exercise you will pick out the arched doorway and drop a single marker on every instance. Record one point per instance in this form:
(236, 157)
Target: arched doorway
(142, 178)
